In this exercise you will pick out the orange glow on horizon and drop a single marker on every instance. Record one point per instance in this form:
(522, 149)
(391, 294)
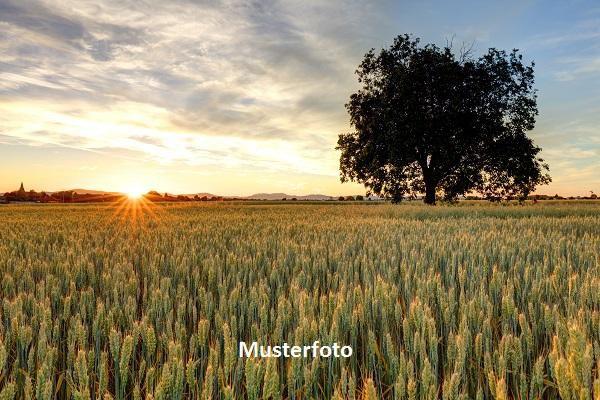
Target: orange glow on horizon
(134, 206)
(134, 193)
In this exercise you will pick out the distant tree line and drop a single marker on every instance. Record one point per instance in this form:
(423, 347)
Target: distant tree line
(70, 196)
(66, 196)
(155, 196)
(536, 197)
(351, 198)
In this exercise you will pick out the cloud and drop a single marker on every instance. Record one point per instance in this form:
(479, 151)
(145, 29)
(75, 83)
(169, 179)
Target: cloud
(579, 68)
(34, 17)
(241, 84)
(575, 49)
(265, 74)
(142, 132)
(48, 27)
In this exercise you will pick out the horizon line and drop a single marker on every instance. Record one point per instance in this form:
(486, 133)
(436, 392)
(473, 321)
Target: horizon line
(83, 190)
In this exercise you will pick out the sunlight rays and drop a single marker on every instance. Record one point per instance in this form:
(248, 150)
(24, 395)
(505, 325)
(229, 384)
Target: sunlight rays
(134, 207)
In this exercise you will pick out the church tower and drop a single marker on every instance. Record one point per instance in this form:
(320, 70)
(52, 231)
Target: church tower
(21, 189)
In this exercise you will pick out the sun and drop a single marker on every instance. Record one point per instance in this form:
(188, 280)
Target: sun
(134, 205)
(134, 192)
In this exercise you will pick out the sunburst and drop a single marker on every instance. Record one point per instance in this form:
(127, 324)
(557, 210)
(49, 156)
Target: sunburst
(134, 193)
(134, 206)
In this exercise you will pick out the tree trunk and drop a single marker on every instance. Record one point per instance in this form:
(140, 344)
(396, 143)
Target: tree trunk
(430, 193)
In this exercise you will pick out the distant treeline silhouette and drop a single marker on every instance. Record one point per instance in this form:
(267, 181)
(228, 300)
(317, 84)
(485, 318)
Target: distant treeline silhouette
(155, 196)
(72, 196)
(65, 196)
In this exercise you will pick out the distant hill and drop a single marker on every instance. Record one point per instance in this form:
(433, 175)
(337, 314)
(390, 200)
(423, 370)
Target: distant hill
(267, 196)
(279, 196)
(90, 191)
(315, 197)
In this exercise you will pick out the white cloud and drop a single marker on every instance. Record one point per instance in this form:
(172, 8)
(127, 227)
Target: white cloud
(231, 75)
(241, 84)
(145, 132)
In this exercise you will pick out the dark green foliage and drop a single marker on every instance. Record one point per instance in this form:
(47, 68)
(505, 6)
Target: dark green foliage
(427, 121)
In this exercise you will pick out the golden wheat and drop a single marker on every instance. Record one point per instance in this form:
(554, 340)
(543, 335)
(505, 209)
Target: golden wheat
(455, 302)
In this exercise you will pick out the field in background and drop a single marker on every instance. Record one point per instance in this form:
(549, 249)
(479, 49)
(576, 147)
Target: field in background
(460, 302)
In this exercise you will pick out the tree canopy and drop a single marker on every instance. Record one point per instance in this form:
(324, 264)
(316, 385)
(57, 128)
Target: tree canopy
(429, 121)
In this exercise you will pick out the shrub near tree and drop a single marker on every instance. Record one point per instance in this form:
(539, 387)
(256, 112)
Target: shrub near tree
(429, 121)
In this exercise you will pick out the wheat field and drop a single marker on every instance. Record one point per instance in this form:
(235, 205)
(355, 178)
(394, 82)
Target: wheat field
(471, 301)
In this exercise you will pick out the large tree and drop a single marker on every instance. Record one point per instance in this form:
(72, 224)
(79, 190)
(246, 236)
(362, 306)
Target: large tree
(429, 121)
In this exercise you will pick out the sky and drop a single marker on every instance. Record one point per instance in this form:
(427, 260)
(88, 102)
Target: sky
(240, 97)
